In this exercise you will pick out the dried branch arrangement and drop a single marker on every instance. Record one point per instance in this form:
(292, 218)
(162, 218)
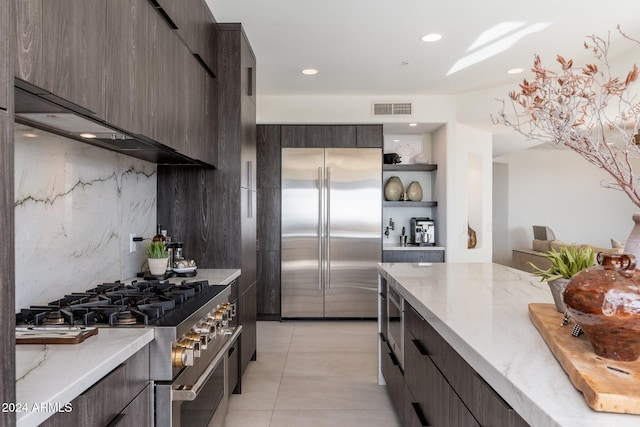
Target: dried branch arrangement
(586, 109)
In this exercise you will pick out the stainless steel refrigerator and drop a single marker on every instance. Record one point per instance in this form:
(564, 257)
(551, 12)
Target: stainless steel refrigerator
(331, 232)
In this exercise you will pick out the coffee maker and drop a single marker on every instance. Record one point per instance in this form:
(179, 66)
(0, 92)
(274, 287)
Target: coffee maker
(423, 232)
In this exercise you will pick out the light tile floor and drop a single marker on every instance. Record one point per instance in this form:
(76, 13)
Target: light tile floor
(313, 374)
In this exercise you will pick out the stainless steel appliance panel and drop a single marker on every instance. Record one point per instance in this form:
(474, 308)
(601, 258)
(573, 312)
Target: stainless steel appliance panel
(301, 243)
(331, 233)
(353, 179)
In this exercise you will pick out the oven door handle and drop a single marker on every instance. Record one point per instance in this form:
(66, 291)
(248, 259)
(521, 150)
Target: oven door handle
(192, 391)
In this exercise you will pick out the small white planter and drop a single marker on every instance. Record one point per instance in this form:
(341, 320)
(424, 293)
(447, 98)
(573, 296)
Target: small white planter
(158, 266)
(557, 288)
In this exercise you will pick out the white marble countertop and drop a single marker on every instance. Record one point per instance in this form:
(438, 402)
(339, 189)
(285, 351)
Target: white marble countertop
(481, 310)
(58, 373)
(397, 247)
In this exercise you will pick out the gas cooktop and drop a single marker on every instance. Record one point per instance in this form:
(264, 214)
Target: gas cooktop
(140, 303)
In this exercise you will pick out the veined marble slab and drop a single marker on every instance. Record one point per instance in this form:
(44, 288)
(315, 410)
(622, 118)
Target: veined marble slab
(58, 373)
(75, 206)
(481, 310)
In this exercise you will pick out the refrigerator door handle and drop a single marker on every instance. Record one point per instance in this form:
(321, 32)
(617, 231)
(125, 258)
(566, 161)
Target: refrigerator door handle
(328, 229)
(320, 226)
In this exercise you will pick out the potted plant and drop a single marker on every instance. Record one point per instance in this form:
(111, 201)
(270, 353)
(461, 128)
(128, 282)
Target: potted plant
(589, 110)
(565, 263)
(158, 257)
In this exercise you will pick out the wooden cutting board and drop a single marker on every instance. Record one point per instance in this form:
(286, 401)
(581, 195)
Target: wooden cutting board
(53, 335)
(607, 385)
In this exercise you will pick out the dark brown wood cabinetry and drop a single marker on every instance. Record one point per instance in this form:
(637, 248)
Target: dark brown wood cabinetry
(121, 61)
(435, 255)
(442, 388)
(5, 47)
(213, 211)
(369, 136)
(196, 26)
(130, 76)
(71, 61)
(7, 253)
(122, 397)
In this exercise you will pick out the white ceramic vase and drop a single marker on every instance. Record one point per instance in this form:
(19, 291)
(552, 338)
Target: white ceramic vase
(158, 266)
(393, 189)
(557, 288)
(632, 245)
(414, 191)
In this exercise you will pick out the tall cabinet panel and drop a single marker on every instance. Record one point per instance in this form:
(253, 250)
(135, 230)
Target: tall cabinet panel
(237, 137)
(213, 211)
(7, 255)
(268, 182)
(5, 71)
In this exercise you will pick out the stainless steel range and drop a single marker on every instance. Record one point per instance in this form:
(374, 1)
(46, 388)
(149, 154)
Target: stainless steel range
(193, 358)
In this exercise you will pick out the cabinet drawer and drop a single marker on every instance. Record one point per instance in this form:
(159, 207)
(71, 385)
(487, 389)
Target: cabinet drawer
(413, 413)
(395, 381)
(434, 255)
(139, 413)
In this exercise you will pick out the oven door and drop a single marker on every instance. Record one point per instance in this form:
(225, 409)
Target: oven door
(395, 324)
(199, 395)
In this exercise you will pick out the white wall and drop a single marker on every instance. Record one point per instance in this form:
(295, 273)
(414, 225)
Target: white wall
(560, 189)
(459, 189)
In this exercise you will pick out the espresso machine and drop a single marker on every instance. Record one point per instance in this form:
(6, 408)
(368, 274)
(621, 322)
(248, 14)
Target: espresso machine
(423, 232)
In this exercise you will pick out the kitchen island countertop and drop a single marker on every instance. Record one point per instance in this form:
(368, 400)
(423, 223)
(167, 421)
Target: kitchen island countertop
(55, 374)
(481, 310)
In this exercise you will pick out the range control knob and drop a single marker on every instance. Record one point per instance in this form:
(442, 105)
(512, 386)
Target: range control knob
(181, 357)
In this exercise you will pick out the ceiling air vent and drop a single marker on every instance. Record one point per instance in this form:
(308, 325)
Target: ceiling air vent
(392, 108)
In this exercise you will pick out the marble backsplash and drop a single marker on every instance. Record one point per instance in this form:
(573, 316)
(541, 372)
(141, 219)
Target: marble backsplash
(75, 207)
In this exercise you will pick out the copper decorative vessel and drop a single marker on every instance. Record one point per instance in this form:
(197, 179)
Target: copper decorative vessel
(605, 302)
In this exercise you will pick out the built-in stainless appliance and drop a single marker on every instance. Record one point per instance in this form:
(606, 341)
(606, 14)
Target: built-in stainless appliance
(395, 324)
(193, 358)
(331, 232)
(423, 232)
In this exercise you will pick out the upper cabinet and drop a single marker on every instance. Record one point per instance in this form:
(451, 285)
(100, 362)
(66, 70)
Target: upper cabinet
(195, 25)
(61, 48)
(124, 62)
(332, 136)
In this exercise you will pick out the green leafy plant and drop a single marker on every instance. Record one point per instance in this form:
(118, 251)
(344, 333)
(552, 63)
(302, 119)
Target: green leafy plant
(566, 262)
(157, 250)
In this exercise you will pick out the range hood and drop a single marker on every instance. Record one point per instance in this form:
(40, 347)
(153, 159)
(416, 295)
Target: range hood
(41, 109)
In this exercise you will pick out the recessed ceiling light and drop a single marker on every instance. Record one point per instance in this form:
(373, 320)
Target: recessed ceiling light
(433, 37)
(396, 140)
(515, 71)
(413, 124)
(30, 134)
(309, 71)
(88, 135)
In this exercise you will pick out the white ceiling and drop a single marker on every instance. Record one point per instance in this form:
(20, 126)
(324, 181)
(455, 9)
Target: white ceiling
(359, 46)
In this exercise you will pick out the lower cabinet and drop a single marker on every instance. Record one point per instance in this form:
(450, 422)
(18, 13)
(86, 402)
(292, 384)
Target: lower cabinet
(434, 255)
(395, 381)
(437, 386)
(123, 397)
(247, 318)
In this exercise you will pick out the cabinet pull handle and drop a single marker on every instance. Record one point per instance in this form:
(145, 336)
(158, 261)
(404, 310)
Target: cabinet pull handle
(394, 360)
(250, 175)
(250, 81)
(495, 393)
(114, 422)
(420, 348)
(418, 410)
